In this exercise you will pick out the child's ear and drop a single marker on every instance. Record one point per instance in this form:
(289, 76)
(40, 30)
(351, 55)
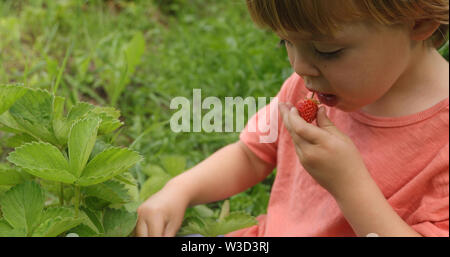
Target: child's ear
(422, 30)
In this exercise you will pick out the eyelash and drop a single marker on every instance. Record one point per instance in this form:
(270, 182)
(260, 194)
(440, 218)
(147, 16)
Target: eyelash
(328, 56)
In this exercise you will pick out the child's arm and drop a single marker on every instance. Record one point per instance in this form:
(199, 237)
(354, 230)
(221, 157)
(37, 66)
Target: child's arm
(227, 172)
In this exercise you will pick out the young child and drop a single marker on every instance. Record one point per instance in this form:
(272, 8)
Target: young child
(375, 162)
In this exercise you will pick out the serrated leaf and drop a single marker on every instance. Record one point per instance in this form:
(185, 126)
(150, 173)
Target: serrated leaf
(55, 221)
(62, 126)
(118, 223)
(99, 147)
(108, 124)
(211, 227)
(126, 178)
(42, 160)
(193, 225)
(111, 191)
(234, 221)
(82, 138)
(79, 111)
(22, 206)
(9, 94)
(174, 164)
(33, 112)
(108, 164)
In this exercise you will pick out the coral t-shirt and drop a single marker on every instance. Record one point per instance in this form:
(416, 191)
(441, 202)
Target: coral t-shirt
(408, 157)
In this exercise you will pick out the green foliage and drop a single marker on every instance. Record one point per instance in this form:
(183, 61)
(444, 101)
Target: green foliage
(8, 95)
(70, 160)
(134, 56)
(211, 226)
(24, 214)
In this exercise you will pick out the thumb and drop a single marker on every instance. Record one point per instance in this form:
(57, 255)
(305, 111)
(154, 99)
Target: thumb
(324, 122)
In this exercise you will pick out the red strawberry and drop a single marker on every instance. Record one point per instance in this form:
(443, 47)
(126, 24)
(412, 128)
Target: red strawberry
(307, 109)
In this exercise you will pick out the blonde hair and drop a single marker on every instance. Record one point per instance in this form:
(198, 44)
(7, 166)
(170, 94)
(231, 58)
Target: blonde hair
(325, 17)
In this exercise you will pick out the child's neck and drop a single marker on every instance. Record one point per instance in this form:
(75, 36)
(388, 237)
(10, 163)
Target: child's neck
(423, 84)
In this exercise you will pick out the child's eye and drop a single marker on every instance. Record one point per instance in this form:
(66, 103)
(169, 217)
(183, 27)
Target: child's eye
(327, 55)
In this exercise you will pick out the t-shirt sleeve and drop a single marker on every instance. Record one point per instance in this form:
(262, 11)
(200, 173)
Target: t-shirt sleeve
(262, 131)
(430, 211)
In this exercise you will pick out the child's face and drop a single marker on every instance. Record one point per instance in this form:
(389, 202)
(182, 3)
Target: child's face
(357, 68)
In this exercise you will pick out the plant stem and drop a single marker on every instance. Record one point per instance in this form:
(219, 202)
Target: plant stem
(77, 201)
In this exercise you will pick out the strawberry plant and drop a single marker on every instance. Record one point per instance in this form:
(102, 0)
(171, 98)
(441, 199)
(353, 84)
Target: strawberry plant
(62, 176)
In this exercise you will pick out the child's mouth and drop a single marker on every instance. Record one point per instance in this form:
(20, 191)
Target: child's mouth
(328, 99)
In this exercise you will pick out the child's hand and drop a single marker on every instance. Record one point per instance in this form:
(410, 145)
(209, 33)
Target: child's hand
(162, 214)
(328, 155)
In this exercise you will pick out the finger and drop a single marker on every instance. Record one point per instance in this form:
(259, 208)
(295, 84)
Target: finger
(303, 129)
(284, 109)
(141, 228)
(156, 226)
(325, 123)
(171, 229)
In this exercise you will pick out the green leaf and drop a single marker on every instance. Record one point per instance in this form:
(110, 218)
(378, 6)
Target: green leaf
(225, 211)
(9, 95)
(94, 220)
(18, 140)
(55, 221)
(22, 206)
(42, 160)
(33, 112)
(153, 185)
(119, 223)
(203, 211)
(82, 138)
(83, 230)
(108, 164)
(11, 176)
(151, 170)
(234, 221)
(7, 231)
(110, 118)
(95, 203)
(10, 124)
(62, 126)
(134, 51)
(211, 228)
(174, 164)
(111, 191)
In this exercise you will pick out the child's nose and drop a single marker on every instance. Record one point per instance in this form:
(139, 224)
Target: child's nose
(303, 66)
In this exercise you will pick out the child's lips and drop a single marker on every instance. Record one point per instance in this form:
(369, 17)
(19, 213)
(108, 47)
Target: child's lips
(328, 99)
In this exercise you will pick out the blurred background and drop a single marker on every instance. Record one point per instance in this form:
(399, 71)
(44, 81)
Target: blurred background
(137, 56)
